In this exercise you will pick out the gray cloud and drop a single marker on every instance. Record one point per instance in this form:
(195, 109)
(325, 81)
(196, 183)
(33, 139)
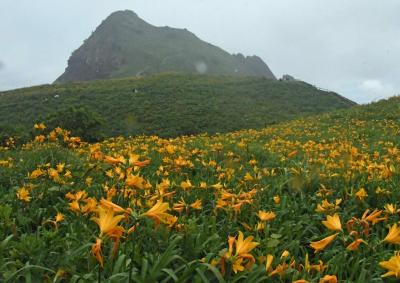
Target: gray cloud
(351, 47)
(1, 65)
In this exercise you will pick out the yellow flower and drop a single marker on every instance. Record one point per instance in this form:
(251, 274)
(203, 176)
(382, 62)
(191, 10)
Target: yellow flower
(90, 206)
(393, 235)
(203, 185)
(244, 246)
(237, 265)
(180, 206)
(260, 226)
(266, 216)
(159, 212)
(186, 185)
(171, 220)
(285, 254)
(36, 173)
(333, 222)
(53, 174)
(248, 177)
(268, 263)
(108, 223)
(354, 245)
(23, 194)
(361, 194)
(242, 255)
(320, 267)
(277, 199)
(40, 138)
(280, 270)
(134, 160)
(373, 217)
(68, 174)
(53, 136)
(217, 186)
(327, 206)
(109, 173)
(89, 181)
(196, 204)
(60, 167)
(39, 126)
(59, 217)
(253, 162)
(135, 181)
(74, 206)
(328, 279)
(111, 205)
(392, 265)
(301, 281)
(391, 208)
(114, 160)
(320, 245)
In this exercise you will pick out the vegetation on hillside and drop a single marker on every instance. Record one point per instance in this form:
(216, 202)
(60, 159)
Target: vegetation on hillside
(170, 105)
(312, 200)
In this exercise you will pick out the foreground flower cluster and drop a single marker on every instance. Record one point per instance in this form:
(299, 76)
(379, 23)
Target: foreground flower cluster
(313, 200)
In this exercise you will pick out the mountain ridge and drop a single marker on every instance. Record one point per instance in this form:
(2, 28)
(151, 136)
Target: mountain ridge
(125, 45)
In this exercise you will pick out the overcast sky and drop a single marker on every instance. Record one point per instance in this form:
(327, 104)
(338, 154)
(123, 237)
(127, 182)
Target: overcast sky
(349, 46)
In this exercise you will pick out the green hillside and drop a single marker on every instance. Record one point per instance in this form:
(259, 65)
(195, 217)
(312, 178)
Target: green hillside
(124, 45)
(171, 104)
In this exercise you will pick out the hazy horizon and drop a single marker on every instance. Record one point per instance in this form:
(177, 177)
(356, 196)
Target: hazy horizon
(351, 48)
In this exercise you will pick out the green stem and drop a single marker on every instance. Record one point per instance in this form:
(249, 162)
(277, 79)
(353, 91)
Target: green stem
(99, 275)
(228, 271)
(130, 270)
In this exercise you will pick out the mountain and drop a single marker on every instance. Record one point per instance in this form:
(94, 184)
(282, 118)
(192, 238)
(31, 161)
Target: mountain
(172, 104)
(125, 45)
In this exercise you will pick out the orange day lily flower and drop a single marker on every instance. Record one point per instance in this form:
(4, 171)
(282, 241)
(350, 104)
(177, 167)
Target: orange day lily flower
(333, 222)
(393, 235)
(373, 217)
(108, 223)
(111, 205)
(266, 216)
(322, 244)
(361, 194)
(392, 265)
(159, 212)
(354, 245)
(268, 262)
(243, 247)
(24, 195)
(328, 279)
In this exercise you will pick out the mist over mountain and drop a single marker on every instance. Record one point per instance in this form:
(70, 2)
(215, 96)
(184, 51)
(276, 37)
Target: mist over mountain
(125, 45)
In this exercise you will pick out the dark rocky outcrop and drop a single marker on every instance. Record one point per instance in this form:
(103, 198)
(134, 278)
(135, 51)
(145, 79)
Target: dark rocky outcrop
(125, 45)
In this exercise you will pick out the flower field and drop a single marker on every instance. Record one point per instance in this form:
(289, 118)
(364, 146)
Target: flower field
(311, 200)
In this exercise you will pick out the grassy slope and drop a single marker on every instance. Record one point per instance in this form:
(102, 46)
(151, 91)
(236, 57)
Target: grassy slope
(173, 104)
(345, 151)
